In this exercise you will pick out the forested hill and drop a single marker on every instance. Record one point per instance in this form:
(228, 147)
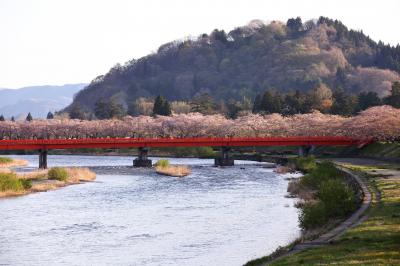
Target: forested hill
(250, 59)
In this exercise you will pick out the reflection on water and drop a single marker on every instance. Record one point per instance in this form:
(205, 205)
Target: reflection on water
(215, 216)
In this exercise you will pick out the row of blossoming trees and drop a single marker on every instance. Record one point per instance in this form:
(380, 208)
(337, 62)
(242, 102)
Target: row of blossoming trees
(380, 123)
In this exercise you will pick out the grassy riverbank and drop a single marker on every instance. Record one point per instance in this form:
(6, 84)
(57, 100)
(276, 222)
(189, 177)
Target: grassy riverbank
(16, 184)
(375, 241)
(6, 162)
(326, 197)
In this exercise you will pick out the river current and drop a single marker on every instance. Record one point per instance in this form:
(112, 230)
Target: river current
(214, 216)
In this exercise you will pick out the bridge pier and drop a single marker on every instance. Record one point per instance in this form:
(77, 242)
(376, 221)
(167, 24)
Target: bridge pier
(42, 159)
(306, 150)
(224, 159)
(142, 160)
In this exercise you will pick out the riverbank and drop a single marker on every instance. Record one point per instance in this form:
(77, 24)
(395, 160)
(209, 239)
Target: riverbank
(330, 199)
(17, 184)
(6, 162)
(375, 238)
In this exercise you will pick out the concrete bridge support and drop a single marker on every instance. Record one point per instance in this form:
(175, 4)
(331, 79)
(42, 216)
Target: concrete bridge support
(306, 150)
(142, 160)
(224, 159)
(42, 159)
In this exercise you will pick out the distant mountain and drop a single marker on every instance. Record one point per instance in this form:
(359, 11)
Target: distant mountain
(38, 100)
(250, 59)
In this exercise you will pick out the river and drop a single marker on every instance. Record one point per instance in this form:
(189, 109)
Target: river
(214, 216)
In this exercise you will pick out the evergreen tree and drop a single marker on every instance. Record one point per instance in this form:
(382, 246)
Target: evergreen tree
(233, 109)
(29, 117)
(395, 88)
(203, 104)
(340, 77)
(293, 103)
(394, 98)
(266, 102)
(166, 109)
(161, 106)
(271, 102)
(1, 118)
(158, 105)
(132, 108)
(257, 104)
(101, 110)
(277, 103)
(295, 24)
(115, 109)
(12, 119)
(219, 35)
(76, 112)
(343, 104)
(108, 109)
(50, 115)
(368, 99)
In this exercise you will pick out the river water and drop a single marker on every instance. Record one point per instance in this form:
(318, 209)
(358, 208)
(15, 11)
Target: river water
(214, 216)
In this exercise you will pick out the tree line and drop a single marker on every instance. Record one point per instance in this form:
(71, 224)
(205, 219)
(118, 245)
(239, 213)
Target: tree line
(324, 100)
(28, 118)
(336, 102)
(270, 101)
(379, 122)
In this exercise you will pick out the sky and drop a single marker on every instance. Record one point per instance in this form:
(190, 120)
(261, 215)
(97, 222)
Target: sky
(71, 41)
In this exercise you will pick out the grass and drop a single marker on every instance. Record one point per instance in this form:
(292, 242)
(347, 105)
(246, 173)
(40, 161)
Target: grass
(162, 163)
(4, 160)
(376, 241)
(10, 184)
(57, 173)
(278, 252)
(15, 184)
(9, 162)
(9, 181)
(305, 164)
(381, 149)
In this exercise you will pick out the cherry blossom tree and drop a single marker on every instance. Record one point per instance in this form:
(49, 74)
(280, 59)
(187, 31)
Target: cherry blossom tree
(380, 123)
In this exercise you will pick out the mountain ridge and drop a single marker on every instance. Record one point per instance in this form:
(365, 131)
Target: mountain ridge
(38, 100)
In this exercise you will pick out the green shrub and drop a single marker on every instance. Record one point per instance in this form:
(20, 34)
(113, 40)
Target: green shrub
(9, 181)
(205, 152)
(334, 198)
(58, 173)
(26, 183)
(5, 160)
(162, 163)
(312, 215)
(305, 164)
(338, 198)
(321, 173)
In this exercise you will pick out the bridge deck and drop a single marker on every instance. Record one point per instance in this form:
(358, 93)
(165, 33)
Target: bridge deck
(49, 144)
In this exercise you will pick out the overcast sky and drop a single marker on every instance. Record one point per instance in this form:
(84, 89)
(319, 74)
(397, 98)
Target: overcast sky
(70, 41)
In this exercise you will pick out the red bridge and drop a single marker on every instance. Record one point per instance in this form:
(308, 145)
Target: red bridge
(306, 145)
